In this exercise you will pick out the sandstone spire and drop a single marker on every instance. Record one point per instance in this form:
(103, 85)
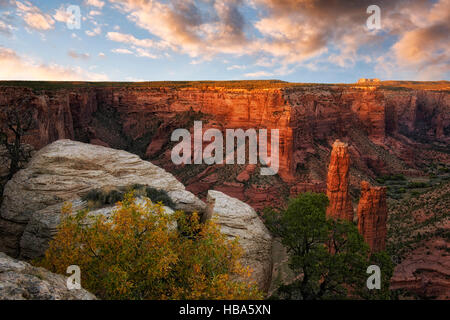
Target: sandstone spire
(372, 216)
(338, 183)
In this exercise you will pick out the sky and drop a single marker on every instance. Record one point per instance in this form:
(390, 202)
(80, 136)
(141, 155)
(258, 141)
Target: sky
(325, 41)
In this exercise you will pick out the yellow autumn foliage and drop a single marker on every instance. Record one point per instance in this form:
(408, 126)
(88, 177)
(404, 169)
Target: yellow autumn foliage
(142, 252)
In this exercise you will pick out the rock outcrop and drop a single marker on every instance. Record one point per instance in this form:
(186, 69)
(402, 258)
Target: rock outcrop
(372, 216)
(66, 170)
(425, 271)
(340, 206)
(21, 281)
(238, 220)
(419, 244)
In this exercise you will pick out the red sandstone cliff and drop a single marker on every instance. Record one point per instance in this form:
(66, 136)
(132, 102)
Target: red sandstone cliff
(381, 126)
(340, 206)
(372, 216)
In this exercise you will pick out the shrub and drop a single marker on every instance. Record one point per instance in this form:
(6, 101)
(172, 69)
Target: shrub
(415, 185)
(97, 198)
(159, 196)
(136, 253)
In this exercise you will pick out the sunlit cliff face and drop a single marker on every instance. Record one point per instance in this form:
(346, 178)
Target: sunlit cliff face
(380, 126)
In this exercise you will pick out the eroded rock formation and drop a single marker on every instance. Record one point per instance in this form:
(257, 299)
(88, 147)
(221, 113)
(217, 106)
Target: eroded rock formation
(66, 170)
(238, 220)
(21, 281)
(340, 206)
(372, 216)
(425, 271)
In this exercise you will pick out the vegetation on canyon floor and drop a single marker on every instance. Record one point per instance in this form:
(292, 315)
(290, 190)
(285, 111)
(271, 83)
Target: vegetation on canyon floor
(137, 253)
(412, 222)
(328, 256)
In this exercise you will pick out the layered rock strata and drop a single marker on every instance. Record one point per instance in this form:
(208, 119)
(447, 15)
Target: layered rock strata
(372, 216)
(340, 206)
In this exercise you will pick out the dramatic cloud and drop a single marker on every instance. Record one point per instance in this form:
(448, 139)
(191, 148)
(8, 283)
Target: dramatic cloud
(423, 47)
(15, 67)
(277, 36)
(214, 27)
(295, 31)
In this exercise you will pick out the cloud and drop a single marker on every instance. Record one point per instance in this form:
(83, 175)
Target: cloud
(6, 18)
(94, 13)
(5, 27)
(15, 67)
(129, 39)
(145, 53)
(258, 74)
(34, 17)
(422, 49)
(122, 51)
(290, 33)
(95, 3)
(235, 67)
(204, 29)
(279, 36)
(76, 55)
(61, 15)
(138, 52)
(94, 32)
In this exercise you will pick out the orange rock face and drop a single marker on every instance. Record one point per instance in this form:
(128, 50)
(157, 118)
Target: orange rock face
(309, 119)
(372, 216)
(338, 183)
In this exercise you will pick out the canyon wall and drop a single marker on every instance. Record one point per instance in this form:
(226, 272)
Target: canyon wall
(384, 129)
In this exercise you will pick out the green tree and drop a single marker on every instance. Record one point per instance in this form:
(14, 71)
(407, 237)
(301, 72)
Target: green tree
(329, 257)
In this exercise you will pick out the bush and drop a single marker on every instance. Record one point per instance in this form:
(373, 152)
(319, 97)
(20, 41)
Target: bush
(98, 198)
(159, 196)
(415, 185)
(393, 177)
(137, 253)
